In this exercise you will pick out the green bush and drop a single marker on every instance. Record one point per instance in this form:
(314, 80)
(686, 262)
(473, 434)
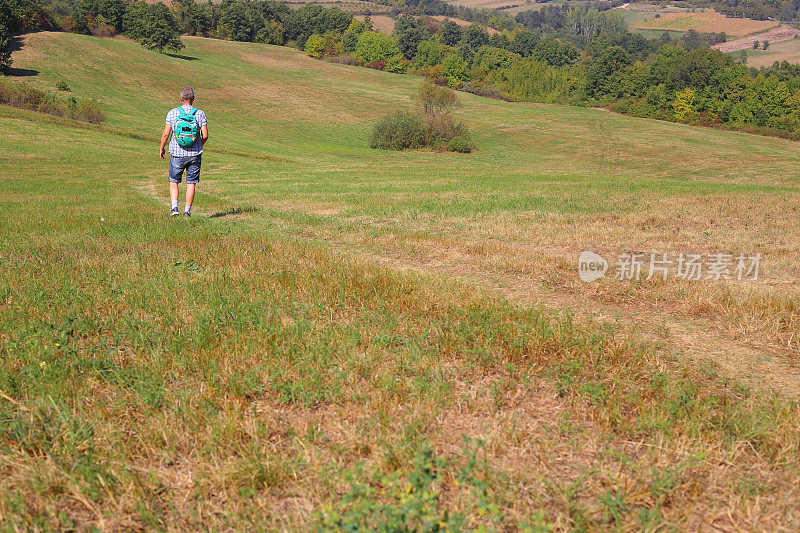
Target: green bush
(455, 70)
(460, 144)
(396, 64)
(429, 54)
(399, 131)
(433, 126)
(373, 46)
(25, 97)
(315, 46)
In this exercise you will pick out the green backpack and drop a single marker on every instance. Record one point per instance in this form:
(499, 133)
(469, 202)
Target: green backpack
(186, 128)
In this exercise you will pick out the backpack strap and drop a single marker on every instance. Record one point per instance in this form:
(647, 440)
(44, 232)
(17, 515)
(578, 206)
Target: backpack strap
(189, 114)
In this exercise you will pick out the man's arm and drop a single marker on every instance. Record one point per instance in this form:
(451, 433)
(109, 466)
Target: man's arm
(164, 139)
(204, 134)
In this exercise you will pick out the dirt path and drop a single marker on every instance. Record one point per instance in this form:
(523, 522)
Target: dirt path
(781, 33)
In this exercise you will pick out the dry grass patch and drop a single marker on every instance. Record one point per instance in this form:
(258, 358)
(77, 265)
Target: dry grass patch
(707, 22)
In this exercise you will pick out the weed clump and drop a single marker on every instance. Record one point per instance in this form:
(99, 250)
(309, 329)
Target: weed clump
(430, 125)
(25, 97)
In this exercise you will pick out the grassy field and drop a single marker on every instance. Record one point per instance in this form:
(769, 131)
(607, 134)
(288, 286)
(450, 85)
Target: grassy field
(788, 50)
(649, 17)
(343, 336)
(708, 22)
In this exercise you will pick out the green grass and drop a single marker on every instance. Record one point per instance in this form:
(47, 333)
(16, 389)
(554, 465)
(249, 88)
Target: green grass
(788, 50)
(285, 360)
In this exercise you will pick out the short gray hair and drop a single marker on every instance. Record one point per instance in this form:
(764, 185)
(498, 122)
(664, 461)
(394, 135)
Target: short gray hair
(187, 94)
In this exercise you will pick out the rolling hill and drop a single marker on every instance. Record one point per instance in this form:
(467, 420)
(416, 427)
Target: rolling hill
(343, 336)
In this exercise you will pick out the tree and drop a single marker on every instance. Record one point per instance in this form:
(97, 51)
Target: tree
(450, 33)
(437, 104)
(5, 51)
(408, 33)
(237, 21)
(153, 25)
(429, 54)
(685, 110)
(554, 52)
(455, 69)
(756, 45)
(475, 36)
(603, 69)
(374, 46)
(765, 46)
(524, 43)
(315, 46)
(5, 38)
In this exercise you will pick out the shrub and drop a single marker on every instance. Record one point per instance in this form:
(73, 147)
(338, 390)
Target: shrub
(89, 111)
(397, 64)
(319, 46)
(399, 131)
(432, 126)
(455, 70)
(25, 97)
(481, 89)
(62, 86)
(429, 54)
(342, 60)
(460, 144)
(315, 46)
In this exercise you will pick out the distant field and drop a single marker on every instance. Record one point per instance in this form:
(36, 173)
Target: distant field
(351, 6)
(382, 23)
(655, 34)
(708, 22)
(508, 6)
(512, 7)
(462, 23)
(342, 337)
(780, 51)
(385, 24)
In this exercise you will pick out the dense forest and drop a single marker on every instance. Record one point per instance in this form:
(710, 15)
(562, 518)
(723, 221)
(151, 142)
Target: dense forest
(559, 54)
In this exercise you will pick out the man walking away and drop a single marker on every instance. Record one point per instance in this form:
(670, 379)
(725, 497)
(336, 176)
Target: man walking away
(187, 131)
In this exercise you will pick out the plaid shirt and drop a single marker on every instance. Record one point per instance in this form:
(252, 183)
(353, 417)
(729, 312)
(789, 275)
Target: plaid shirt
(174, 148)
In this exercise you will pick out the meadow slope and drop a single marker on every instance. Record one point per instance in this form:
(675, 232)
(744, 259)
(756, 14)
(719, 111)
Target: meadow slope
(349, 336)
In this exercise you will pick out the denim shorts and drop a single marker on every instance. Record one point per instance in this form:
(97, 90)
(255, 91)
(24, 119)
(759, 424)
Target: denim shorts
(191, 164)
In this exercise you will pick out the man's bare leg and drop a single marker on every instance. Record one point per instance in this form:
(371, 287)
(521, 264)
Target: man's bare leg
(189, 195)
(173, 192)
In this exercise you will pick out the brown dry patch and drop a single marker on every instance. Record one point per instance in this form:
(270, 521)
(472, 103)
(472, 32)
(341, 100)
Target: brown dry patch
(708, 22)
(29, 47)
(781, 33)
(463, 23)
(321, 209)
(749, 328)
(381, 23)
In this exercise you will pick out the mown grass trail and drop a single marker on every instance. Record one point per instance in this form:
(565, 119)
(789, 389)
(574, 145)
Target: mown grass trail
(270, 367)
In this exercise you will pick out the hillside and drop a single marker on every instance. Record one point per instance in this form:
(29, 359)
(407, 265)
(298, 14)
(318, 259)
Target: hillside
(345, 336)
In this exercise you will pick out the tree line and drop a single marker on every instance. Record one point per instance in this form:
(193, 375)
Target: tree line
(584, 55)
